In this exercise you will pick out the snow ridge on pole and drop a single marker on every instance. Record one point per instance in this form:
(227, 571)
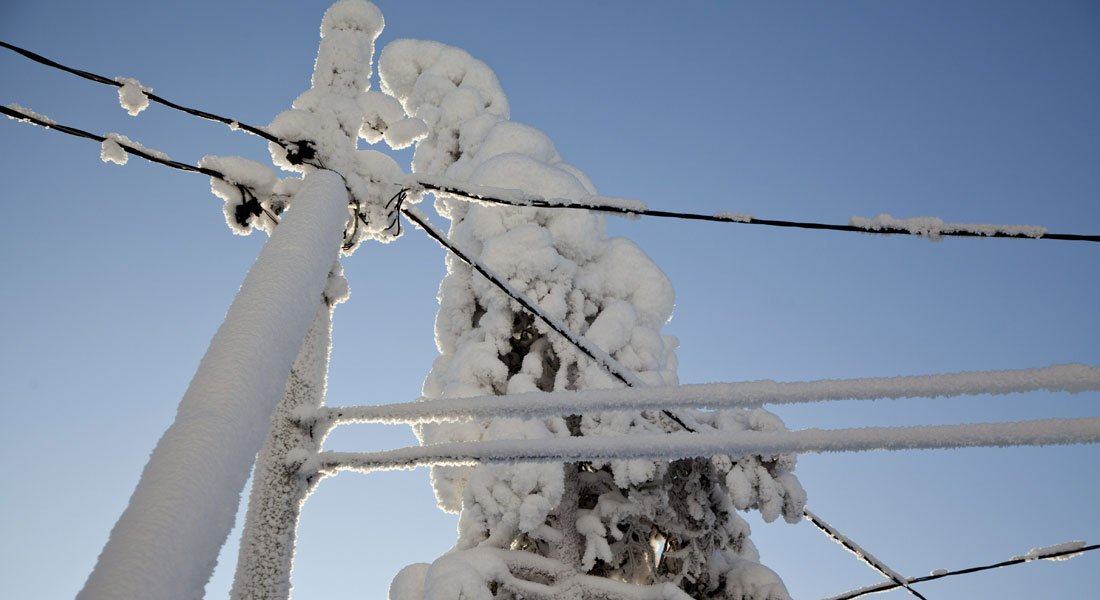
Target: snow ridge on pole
(166, 542)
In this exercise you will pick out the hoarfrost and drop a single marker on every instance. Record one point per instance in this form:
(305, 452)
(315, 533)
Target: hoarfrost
(934, 227)
(126, 142)
(1040, 553)
(30, 113)
(110, 151)
(132, 95)
(248, 190)
(735, 217)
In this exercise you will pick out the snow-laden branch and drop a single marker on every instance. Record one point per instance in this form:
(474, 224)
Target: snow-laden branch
(686, 445)
(749, 394)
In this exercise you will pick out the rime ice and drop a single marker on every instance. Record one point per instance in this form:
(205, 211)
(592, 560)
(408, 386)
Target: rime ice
(132, 95)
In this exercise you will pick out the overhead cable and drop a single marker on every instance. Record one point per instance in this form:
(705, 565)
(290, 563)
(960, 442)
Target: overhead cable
(1062, 554)
(232, 123)
(297, 152)
(597, 206)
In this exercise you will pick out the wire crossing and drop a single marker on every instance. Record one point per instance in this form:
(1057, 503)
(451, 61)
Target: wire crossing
(883, 587)
(860, 553)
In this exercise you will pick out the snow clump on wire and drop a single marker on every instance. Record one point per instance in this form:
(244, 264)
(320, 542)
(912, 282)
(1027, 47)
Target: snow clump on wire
(641, 524)
(132, 95)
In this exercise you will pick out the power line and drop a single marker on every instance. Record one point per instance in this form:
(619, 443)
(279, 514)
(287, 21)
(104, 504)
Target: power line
(302, 151)
(539, 202)
(882, 587)
(232, 123)
(250, 205)
(73, 131)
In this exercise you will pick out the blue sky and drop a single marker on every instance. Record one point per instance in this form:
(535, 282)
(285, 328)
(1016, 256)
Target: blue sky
(116, 277)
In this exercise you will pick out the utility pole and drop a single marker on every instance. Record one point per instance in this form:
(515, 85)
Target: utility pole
(166, 543)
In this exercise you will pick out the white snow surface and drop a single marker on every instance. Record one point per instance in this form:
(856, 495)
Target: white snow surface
(132, 95)
(110, 151)
(166, 543)
(934, 227)
(338, 109)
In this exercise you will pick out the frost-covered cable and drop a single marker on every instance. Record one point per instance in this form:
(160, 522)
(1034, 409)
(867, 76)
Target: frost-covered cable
(600, 204)
(748, 394)
(672, 446)
(860, 553)
(1057, 553)
(232, 123)
(592, 351)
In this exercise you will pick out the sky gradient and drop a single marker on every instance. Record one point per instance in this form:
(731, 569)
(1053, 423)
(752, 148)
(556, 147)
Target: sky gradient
(115, 278)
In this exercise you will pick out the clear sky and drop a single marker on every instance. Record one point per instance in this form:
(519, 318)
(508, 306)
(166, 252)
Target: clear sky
(115, 278)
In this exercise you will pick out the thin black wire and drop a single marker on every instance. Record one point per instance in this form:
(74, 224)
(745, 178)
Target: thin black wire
(298, 152)
(1007, 563)
(99, 138)
(492, 277)
(593, 206)
(38, 58)
(246, 193)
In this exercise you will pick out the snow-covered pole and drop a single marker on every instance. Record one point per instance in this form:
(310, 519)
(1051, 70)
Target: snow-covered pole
(166, 542)
(274, 505)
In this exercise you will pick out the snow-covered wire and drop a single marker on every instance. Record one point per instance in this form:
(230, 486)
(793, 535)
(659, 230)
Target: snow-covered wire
(142, 152)
(748, 394)
(599, 205)
(672, 446)
(232, 123)
(1059, 553)
(299, 151)
(251, 204)
(860, 553)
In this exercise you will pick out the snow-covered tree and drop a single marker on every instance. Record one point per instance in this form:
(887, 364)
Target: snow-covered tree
(621, 528)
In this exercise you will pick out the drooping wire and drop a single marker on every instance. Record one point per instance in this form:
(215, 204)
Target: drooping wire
(882, 587)
(302, 152)
(73, 131)
(232, 123)
(537, 202)
(250, 204)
